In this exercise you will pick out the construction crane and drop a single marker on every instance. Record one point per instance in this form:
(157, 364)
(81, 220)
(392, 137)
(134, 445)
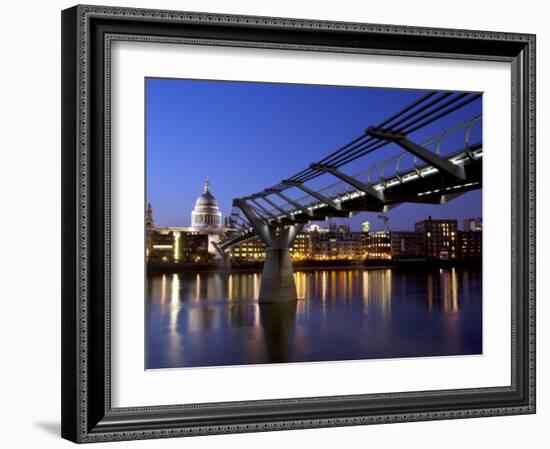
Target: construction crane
(385, 219)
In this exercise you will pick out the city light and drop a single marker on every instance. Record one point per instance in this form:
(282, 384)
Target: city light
(176, 245)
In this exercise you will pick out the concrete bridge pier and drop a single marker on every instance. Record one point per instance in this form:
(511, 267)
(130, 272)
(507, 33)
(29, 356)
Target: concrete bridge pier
(278, 274)
(225, 263)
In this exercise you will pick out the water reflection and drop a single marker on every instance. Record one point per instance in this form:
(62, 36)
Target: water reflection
(210, 319)
(277, 321)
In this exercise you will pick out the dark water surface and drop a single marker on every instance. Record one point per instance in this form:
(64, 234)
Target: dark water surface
(207, 319)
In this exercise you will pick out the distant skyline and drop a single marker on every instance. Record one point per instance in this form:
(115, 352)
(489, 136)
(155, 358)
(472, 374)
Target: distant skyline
(245, 137)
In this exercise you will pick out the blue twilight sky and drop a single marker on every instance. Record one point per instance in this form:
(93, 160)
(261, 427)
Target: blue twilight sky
(246, 137)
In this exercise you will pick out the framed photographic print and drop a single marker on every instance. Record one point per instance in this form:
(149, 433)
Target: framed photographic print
(281, 223)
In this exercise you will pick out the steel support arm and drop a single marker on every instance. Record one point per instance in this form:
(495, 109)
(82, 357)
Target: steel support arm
(239, 220)
(248, 211)
(218, 249)
(365, 188)
(290, 201)
(324, 199)
(259, 225)
(226, 245)
(259, 213)
(272, 204)
(263, 209)
(429, 157)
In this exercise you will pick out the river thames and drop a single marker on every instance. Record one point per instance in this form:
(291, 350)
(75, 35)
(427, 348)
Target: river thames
(210, 319)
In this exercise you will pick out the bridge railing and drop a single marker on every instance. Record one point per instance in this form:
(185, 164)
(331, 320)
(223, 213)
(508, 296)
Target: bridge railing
(443, 144)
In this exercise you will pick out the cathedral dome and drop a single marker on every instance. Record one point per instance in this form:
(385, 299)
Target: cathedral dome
(206, 200)
(206, 213)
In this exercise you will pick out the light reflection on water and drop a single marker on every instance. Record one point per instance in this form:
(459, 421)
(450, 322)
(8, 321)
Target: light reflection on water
(208, 319)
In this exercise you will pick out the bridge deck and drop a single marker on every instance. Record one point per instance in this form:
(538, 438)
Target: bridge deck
(424, 184)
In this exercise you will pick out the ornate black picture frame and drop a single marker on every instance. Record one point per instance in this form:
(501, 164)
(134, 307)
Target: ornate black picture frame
(87, 413)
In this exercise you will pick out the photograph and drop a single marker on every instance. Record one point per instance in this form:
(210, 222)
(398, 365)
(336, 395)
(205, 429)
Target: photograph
(299, 223)
(280, 222)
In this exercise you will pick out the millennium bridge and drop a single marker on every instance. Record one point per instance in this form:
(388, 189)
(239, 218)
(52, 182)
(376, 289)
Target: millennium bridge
(412, 172)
